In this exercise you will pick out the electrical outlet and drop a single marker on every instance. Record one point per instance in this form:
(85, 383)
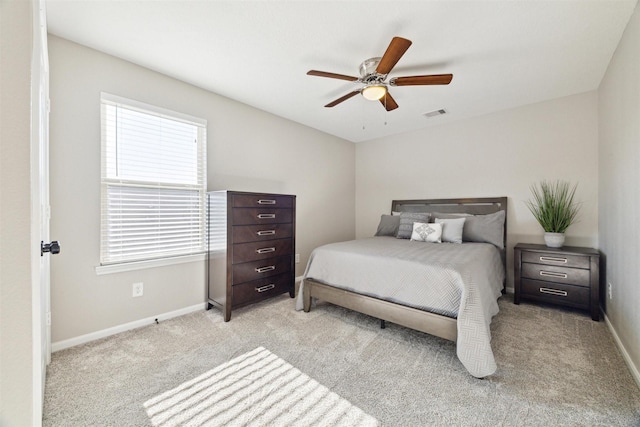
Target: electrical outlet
(297, 258)
(138, 289)
(609, 290)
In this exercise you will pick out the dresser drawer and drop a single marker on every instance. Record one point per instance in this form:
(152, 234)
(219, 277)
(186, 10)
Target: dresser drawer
(254, 251)
(258, 200)
(243, 216)
(552, 273)
(263, 268)
(260, 233)
(556, 293)
(260, 289)
(559, 259)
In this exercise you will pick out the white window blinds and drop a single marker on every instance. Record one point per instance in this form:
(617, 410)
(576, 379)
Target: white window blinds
(153, 182)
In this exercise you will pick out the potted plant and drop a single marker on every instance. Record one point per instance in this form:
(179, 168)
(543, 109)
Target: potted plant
(554, 207)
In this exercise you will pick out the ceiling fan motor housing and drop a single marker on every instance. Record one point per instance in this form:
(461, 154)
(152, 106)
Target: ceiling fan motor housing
(368, 72)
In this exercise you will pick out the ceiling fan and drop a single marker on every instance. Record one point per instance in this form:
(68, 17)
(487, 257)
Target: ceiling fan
(373, 75)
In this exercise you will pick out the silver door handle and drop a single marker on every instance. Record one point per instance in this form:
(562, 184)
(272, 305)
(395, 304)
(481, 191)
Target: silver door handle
(266, 202)
(266, 232)
(265, 269)
(266, 216)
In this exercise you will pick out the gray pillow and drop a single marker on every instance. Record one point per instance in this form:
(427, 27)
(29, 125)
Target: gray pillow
(451, 229)
(388, 225)
(485, 228)
(406, 223)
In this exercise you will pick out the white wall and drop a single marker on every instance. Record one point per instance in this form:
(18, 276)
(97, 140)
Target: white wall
(619, 124)
(499, 154)
(16, 358)
(248, 150)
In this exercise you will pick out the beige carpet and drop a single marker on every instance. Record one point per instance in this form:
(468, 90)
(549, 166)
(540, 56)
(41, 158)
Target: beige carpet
(555, 367)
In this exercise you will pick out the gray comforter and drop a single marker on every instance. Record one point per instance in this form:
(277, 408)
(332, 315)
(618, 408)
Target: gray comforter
(456, 280)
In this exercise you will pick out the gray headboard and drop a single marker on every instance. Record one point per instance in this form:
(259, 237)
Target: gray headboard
(474, 206)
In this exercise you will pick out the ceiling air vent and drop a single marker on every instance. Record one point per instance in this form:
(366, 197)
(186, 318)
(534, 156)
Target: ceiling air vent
(435, 113)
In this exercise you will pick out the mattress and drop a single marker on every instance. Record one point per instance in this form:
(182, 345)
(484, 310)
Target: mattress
(461, 281)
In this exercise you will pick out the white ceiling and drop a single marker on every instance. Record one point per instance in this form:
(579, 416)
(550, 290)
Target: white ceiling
(502, 54)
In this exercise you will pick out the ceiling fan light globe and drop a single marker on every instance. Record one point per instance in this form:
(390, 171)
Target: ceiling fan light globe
(374, 92)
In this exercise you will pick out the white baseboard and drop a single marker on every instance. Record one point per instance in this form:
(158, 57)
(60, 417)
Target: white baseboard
(635, 373)
(82, 339)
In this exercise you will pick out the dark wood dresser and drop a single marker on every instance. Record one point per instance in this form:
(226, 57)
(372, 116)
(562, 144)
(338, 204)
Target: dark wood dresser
(251, 247)
(568, 276)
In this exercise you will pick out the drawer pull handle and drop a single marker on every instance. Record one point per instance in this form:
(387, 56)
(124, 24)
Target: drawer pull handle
(265, 250)
(553, 274)
(265, 269)
(265, 288)
(266, 202)
(266, 233)
(266, 216)
(553, 259)
(553, 292)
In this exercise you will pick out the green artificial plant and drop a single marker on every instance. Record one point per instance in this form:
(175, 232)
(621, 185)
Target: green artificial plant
(553, 205)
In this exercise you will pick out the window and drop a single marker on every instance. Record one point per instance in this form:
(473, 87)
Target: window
(153, 182)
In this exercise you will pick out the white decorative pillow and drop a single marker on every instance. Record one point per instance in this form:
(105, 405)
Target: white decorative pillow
(451, 229)
(427, 232)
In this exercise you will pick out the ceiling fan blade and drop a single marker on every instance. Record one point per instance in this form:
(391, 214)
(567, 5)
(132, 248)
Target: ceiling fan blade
(433, 79)
(331, 75)
(388, 102)
(394, 52)
(342, 98)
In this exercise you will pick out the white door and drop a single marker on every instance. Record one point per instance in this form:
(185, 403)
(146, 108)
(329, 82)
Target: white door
(40, 205)
(45, 208)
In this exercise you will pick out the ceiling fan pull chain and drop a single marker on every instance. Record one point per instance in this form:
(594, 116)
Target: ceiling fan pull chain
(386, 112)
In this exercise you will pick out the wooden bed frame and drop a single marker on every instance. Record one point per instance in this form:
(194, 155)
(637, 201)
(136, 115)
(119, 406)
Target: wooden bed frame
(424, 321)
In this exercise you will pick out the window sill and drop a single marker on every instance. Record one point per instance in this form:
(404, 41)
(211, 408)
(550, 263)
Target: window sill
(139, 265)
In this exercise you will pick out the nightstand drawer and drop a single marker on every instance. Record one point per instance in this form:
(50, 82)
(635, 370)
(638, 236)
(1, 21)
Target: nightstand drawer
(559, 259)
(556, 293)
(552, 273)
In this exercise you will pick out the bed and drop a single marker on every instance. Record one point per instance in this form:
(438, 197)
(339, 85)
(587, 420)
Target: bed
(444, 289)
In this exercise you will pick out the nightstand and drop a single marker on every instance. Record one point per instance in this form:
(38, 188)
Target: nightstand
(568, 276)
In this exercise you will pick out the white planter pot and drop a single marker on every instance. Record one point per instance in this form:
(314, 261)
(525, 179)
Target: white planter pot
(554, 240)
